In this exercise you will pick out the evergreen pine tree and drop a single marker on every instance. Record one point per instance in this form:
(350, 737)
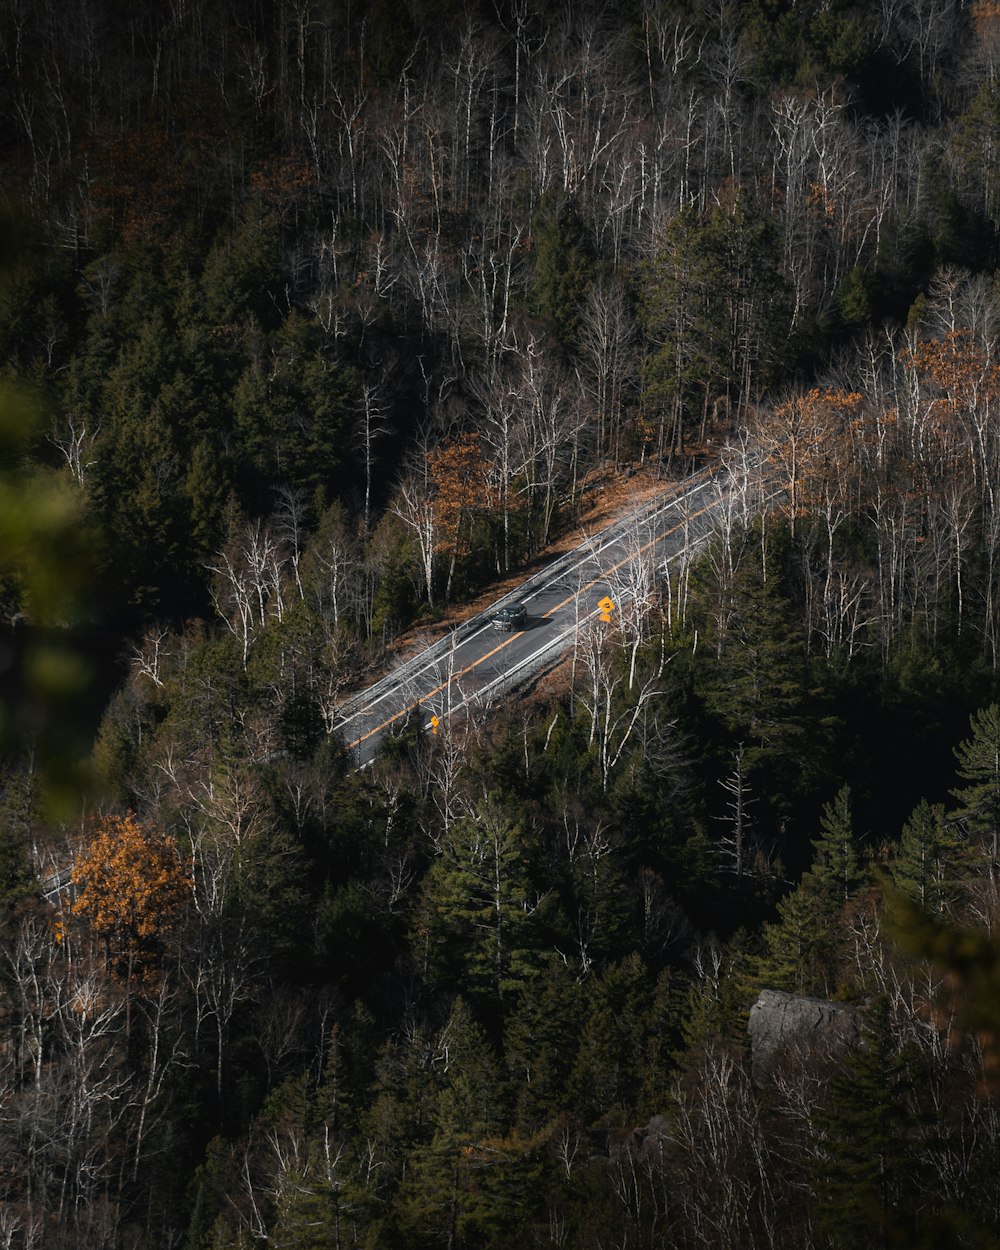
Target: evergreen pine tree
(836, 869)
(752, 673)
(796, 949)
(549, 1009)
(564, 268)
(979, 767)
(922, 865)
(479, 915)
(865, 1175)
(439, 1203)
(801, 951)
(608, 1070)
(17, 813)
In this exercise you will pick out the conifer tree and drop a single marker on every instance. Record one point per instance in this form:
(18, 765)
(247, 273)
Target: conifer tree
(979, 767)
(564, 268)
(753, 673)
(479, 913)
(549, 1009)
(684, 319)
(18, 800)
(440, 1202)
(796, 948)
(801, 952)
(836, 869)
(865, 1175)
(923, 864)
(607, 1073)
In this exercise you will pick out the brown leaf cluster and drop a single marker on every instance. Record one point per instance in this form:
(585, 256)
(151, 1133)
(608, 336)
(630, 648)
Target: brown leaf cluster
(460, 473)
(130, 886)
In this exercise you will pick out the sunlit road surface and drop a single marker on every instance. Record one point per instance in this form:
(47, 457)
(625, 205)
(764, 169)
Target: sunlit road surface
(476, 662)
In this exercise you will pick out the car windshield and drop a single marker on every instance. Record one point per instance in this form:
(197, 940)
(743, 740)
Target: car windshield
(511, 614)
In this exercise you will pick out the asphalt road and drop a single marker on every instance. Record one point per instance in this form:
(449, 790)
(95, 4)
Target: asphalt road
(477, 662)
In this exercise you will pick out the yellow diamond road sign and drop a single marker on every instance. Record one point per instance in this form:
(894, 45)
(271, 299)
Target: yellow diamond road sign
(434, 724)
(607, 606)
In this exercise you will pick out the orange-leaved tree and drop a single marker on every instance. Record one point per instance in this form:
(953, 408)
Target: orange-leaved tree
(805, 440)
(130, 886)
(961, 384)
(460, 473)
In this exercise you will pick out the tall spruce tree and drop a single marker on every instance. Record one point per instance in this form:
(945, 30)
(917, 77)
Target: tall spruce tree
(753, 674)
(797, 947)
(441, 1199)
(866, 1172)
(549, 1009)
(923, 864)
(479, 914)
(18, 801)
(836, 871)
(979, 767)
(564, 267)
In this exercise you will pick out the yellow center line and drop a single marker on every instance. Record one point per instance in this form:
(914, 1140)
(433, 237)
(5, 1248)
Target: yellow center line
(496, 650)
(627, 560)
(437, 689)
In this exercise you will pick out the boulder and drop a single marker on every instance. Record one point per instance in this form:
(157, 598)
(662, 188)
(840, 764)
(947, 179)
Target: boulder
(789, 1026)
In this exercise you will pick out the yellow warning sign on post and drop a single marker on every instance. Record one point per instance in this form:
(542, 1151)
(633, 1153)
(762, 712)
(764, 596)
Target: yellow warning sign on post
(434, 724)
(607, 606)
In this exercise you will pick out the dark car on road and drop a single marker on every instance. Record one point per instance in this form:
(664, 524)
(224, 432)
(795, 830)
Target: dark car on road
(511, 617)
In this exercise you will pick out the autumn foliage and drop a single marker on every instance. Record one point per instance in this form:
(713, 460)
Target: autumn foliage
(803, 438)
(459, 472)
(130, 887)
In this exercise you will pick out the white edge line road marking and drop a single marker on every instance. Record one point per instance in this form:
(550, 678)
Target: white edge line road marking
(535, 655)
(590, 556)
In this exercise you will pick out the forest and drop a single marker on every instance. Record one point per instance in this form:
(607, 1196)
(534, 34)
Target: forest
(318, 318)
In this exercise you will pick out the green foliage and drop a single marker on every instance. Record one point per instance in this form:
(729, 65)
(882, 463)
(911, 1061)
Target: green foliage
(45, 550)
(480, 916)
(115, 752)
(803, 950)
(797, 952)
(293, 414)
(443, 1195)
(212, 1179)
(752, 671)
(208, 489)
(240, 221)
(807, 45)
(240, 274)
(549, 1010)
(18, 813)
(979, 767)
(712, 304)
(866, 1176)
(610, 1062)
(974, 142)
(854, 298)
(351, 937)
(564, 268)
(273, 893)
(836, 869)
(958, 232)
(682, 314)
(925, 866)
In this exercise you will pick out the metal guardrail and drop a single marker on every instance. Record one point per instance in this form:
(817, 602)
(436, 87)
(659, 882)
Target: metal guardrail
(561, 566)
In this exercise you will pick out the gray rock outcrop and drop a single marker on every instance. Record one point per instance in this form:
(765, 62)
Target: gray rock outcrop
(791, 1027)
